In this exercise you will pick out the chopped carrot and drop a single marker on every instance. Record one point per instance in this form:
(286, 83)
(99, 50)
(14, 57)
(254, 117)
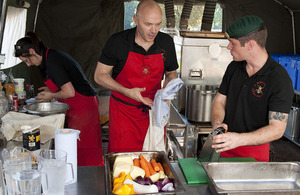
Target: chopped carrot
(142, 157)
(154, 164)
(160, 167)
(136, 162)
(167, 169)
(144, 166)
(152, 171)
(148, 165)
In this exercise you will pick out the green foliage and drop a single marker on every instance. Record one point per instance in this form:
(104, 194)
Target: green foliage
(217, 23)
(196, 18)
(130, 10)
(194, 21)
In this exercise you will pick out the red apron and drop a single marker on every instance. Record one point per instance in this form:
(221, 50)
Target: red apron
(83, 115)
(128, 124)
(259, 153)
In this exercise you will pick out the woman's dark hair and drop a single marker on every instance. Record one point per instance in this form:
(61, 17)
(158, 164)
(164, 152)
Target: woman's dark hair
(31, 40)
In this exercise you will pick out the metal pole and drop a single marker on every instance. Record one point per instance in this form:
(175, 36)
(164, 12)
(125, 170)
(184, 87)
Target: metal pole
(36, 14)
(293, 24)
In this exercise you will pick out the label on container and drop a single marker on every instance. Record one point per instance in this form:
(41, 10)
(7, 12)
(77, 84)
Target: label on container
(31, 140)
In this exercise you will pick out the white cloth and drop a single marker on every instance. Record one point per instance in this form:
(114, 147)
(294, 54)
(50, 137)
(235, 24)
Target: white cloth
(154, 140)
(15, 27)
(12, 122)
(159, 116)
(161, 108)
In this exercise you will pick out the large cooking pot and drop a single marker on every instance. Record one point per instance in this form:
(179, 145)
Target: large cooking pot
(198, 102)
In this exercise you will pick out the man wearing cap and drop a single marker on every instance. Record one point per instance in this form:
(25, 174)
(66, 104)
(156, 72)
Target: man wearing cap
(255, 96)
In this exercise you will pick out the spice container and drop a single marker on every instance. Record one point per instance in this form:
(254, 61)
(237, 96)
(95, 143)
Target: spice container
(31, 137)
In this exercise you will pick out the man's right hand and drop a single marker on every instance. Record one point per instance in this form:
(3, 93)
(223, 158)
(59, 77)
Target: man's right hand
(103, 78)
(135, 93)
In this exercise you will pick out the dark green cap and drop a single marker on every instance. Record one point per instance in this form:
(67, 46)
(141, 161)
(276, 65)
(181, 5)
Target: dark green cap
(244, 26)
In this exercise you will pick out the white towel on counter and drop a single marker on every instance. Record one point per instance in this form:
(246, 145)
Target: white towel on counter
(12, 122)
(159, 116)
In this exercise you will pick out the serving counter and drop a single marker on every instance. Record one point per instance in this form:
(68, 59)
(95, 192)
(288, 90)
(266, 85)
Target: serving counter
(91, 180)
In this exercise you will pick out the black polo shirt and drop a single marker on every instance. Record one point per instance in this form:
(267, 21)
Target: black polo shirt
(249, 100)
(117, 48)
(61, 68)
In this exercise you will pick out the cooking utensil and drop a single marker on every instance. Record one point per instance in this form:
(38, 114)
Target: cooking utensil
(209, 154)
(47, 108)
(198, 102)
(253, 177)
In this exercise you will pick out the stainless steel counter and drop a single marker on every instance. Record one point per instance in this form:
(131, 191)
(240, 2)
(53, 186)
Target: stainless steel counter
(91, 180)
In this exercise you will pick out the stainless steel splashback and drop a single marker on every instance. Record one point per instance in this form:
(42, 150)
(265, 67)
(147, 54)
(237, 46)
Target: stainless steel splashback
(202, 61)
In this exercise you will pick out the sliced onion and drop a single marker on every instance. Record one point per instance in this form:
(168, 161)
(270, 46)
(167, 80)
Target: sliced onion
(158, 185)
(147, 181)
(140, 180)
(168, 187)
(143, 181)
(171, 189)
(166, 180)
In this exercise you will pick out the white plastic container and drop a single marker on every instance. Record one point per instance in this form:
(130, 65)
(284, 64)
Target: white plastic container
(19, 85)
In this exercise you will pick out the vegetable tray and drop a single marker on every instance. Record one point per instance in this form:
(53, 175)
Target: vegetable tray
(161, 157)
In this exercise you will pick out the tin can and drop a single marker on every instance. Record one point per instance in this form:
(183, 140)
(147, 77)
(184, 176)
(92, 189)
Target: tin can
(31, 137)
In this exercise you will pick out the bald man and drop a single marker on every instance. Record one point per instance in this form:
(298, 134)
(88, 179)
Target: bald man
(139, 58)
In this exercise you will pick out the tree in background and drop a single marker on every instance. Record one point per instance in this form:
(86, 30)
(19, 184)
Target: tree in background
(130, 10)
(194, 21)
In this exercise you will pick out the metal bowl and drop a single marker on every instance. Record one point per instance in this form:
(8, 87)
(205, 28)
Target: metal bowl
(47, 108)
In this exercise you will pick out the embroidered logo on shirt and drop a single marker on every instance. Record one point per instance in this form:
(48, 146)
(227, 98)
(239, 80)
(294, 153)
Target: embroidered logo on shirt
(163, 53)
(258, 89)
(145, 70)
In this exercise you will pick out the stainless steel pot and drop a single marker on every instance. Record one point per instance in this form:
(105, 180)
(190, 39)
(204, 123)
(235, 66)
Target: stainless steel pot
(198, 102)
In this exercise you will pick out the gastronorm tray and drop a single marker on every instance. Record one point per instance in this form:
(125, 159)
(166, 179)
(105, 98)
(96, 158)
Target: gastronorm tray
(253, 177)
(161, 157)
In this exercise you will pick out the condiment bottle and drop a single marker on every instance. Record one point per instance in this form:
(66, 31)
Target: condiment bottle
(31, 137)
(15, 106)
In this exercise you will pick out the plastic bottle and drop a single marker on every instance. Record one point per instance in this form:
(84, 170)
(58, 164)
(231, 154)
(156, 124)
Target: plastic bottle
(15, 104)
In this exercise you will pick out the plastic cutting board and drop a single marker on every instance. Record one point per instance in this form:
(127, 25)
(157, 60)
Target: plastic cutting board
(194, 172)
